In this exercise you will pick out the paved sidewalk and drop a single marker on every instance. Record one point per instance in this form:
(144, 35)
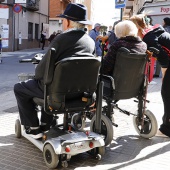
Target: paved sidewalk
(128, 151)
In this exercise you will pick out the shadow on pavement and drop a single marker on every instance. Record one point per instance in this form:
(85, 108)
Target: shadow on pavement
(127, 150)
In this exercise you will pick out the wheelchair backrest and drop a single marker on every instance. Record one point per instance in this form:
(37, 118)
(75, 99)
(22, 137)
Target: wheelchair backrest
(128, 74)
(73, 84)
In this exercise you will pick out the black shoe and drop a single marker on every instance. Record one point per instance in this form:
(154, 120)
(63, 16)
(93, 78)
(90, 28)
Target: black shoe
(46, 128)
(34, 133)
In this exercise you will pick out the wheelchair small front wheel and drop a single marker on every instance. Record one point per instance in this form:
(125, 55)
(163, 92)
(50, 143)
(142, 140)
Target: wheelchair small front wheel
(106, 128)
(150, 125)
(17, 128)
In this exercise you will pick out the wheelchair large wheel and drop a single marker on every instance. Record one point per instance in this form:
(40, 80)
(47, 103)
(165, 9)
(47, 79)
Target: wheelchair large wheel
(50, 157)
(150, 125)
(106, 128)
(17, 128)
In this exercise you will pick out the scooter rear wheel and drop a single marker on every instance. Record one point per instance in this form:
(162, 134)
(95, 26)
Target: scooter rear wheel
(106, 128)
(50, 157)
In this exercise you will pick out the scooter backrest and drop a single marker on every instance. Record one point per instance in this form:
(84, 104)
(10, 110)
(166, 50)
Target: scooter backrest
(73, 78)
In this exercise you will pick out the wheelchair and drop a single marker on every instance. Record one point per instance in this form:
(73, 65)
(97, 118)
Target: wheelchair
(69, 88)
(129, 80)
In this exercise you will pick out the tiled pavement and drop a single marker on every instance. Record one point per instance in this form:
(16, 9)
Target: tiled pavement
(128, 151)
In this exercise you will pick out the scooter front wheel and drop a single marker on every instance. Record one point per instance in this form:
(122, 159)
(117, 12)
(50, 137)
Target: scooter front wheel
(106, 128)
(50, 157)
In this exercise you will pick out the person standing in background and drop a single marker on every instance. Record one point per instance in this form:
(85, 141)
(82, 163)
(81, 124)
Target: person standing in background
(52, 36)
(43, 38)
(166, 24)
(0, 49)
(94, 33)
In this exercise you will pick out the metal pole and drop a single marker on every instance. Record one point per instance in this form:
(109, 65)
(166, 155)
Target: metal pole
(13, 31)
(121, 14)
(99, 107)
(0, 48)
(18, 34)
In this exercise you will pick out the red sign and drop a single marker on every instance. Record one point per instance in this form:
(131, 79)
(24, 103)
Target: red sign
(17, 8)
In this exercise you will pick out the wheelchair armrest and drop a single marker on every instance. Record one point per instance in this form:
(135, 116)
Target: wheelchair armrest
(111, 79)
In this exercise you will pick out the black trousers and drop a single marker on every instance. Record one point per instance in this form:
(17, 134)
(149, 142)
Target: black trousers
(165, 91)
(24, 93)
(43, 44)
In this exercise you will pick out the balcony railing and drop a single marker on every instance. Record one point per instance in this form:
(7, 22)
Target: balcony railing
(32, 5)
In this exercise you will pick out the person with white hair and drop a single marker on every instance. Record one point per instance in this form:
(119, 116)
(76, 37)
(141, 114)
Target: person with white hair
(74, 42)
(126, 32)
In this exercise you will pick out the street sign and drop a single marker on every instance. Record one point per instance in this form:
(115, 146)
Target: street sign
(4, 11)
(17, 8)
(120, 3)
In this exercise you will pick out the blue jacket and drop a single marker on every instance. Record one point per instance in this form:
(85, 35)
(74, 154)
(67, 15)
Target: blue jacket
(93, 34)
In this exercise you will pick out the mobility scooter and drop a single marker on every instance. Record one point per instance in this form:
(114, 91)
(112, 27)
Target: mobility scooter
(69, 89)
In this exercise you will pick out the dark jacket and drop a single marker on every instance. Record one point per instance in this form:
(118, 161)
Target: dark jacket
(134, 44)
(158, 38)
(167, 28)
(52, 36)
(70, 44)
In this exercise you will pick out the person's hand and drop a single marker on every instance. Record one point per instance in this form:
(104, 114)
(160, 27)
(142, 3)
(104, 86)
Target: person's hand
(103, 39)
(149, 53)
(99, 37)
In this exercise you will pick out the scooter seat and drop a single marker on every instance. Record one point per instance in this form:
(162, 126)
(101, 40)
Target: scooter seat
(38, 101)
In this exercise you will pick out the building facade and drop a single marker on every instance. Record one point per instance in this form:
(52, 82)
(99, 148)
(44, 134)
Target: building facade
(156, 9)
(21, 24)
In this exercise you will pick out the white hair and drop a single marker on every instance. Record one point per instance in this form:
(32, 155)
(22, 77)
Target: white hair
(126, 28)
(77, 25)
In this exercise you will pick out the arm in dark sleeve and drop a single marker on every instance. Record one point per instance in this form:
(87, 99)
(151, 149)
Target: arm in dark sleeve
(151, 41)
(40, 69)
(109, 61)
(162, 57)
(92, 34)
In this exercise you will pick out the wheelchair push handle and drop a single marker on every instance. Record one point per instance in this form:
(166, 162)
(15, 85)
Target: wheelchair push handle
(154, 50)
